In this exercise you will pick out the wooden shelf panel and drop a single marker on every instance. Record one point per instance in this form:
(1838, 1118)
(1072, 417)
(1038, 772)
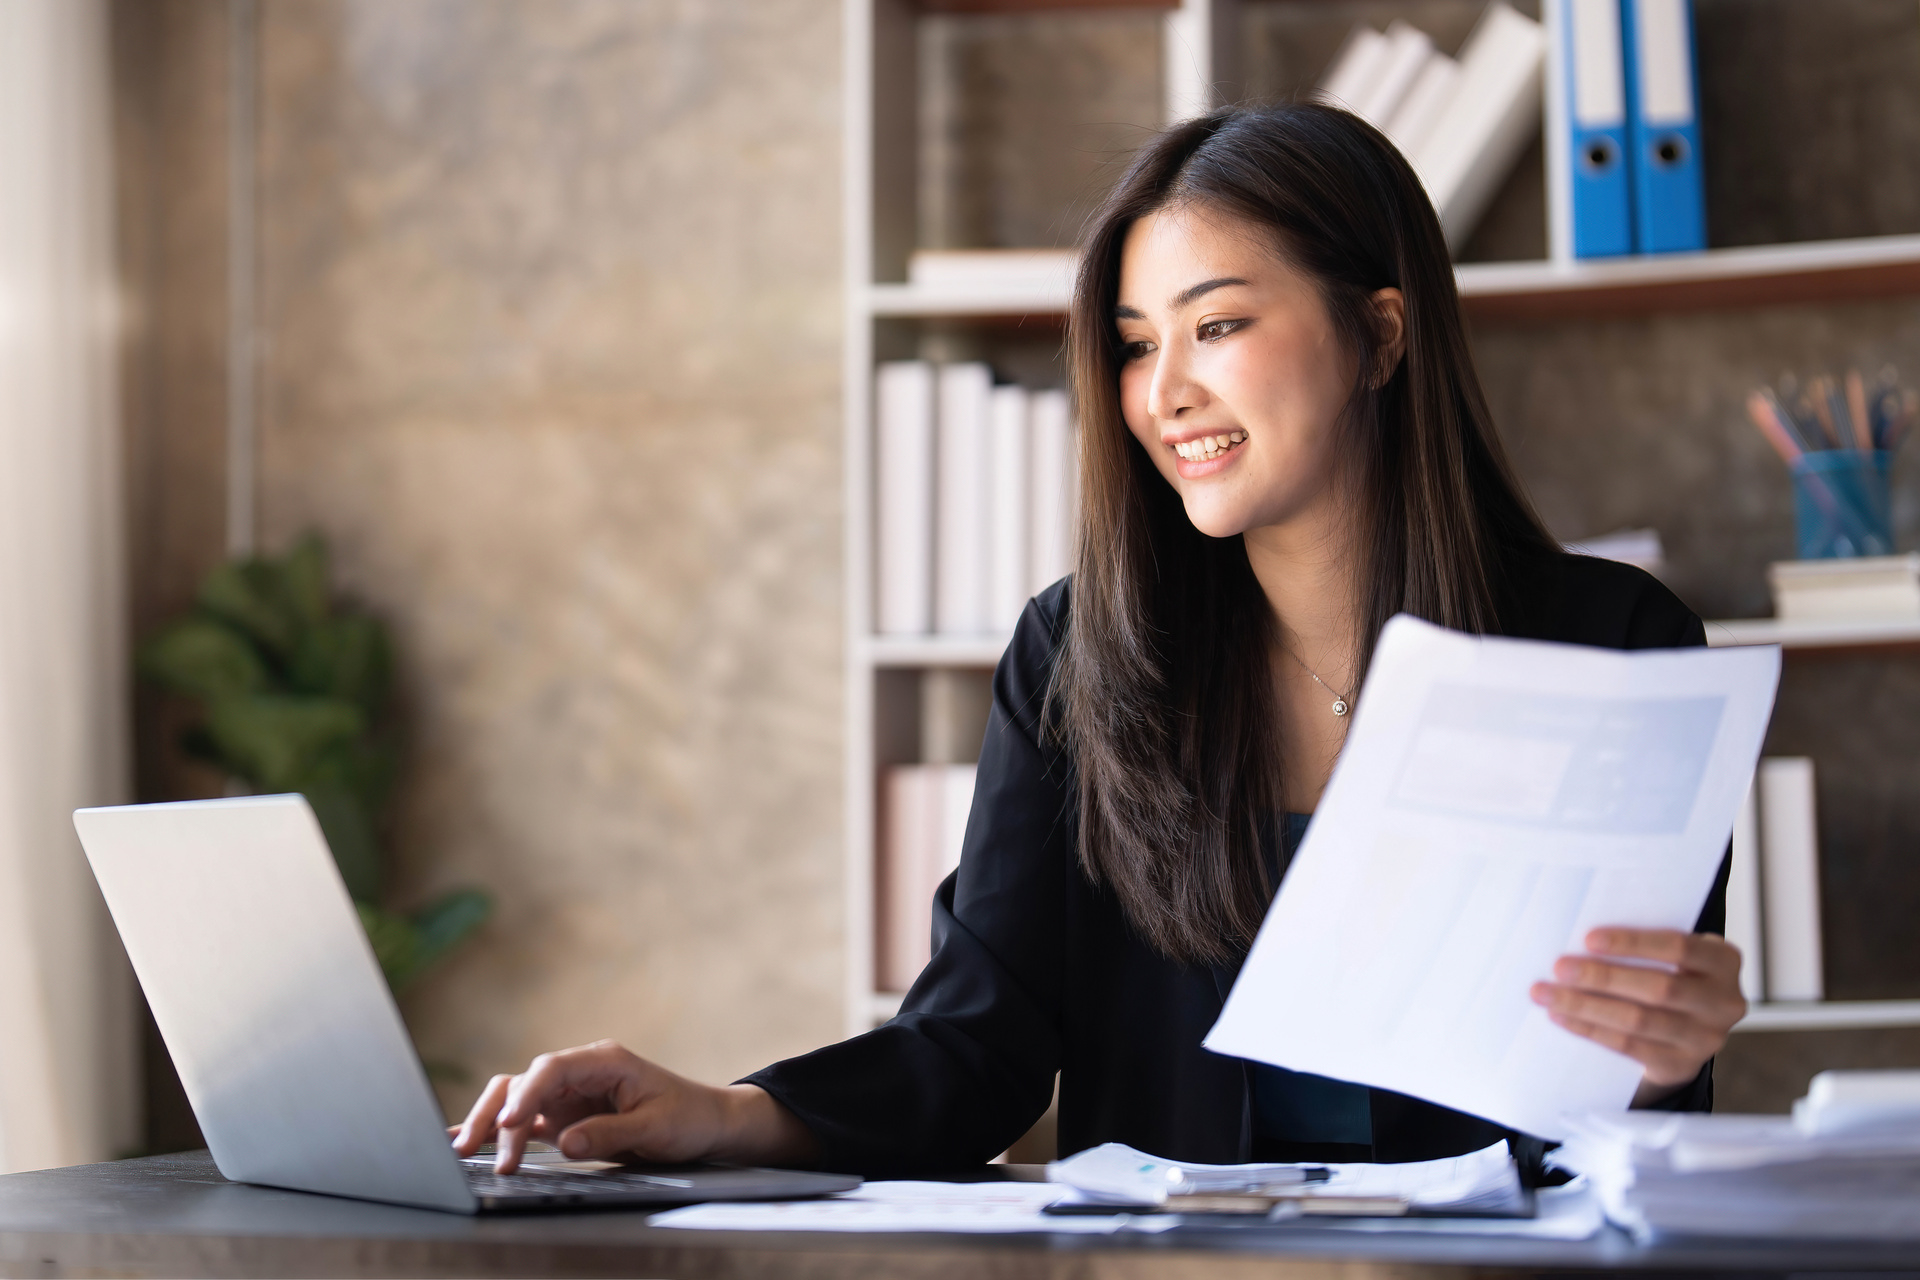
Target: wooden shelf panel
(1832, 1015)
(1873, 633)
(1764, 275)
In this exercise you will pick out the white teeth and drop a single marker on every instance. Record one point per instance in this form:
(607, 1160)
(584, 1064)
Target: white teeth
(1209, 446)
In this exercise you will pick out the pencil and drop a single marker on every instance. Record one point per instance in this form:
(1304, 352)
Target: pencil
(1857, 409)
(1762, 408)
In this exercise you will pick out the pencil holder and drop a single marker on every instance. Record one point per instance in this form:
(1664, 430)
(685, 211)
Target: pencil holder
(1841, 504)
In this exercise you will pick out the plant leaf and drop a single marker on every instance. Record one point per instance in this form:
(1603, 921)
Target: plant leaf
(396, 943)
(244, 594)
(203, 658)
(275, 740)
(303, 579)
(345, 657)
(348, 826)
(407, 947)
(271, 600)
(448, 922)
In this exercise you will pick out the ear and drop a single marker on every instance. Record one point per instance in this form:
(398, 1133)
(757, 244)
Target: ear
(1390, 320)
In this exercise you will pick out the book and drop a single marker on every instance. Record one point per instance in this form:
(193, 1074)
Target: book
(1743, 899)
(1489, 119)
(924, 810)
(1054, 491)
(964, 434)
(909, 825)
(1037, 272)
(1009, 509)
(1461, 123)
(903, 483)
(1351, 75)
(1790, 879)
(1640, 548)
(1846, 588)
(1412, 121)
(1407, 51)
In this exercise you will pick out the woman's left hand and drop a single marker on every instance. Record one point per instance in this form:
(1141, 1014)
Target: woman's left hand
(1670, 1019)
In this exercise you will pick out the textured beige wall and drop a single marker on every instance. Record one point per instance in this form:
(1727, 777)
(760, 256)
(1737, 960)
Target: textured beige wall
(551, 293)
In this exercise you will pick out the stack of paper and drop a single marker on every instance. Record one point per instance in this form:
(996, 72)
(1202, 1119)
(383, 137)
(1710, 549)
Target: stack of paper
(1663, 1175)
(1483, 1182)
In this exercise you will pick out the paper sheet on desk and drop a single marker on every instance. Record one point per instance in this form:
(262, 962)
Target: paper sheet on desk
(1495, 800)
(969, 1207)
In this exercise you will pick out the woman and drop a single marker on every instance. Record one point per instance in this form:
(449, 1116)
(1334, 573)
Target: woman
(1284, 444)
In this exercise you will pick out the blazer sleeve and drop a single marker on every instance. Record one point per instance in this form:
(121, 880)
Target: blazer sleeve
(968, 1064)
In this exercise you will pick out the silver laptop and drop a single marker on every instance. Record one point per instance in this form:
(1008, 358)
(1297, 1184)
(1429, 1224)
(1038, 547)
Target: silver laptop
(288, 1042)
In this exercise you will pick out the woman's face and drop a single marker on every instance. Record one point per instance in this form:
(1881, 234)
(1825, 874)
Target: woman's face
(1232, 376)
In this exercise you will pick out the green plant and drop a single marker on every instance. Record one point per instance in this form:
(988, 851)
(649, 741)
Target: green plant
(294, 694)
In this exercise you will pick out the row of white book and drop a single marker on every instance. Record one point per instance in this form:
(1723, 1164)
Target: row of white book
(974, 498)
(1773, 894)
(923, 820)
(1461, 122)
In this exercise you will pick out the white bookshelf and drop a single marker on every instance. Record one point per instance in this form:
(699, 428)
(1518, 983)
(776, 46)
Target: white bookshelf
(1837, 633)
(879, 189)
(1816, 271)
(879, 185)
(1832, 1015)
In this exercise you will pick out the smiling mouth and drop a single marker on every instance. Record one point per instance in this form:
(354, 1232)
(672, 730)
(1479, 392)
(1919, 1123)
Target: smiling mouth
(1209, 447)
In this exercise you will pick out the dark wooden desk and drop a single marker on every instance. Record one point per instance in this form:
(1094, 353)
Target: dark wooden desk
(175, 1216)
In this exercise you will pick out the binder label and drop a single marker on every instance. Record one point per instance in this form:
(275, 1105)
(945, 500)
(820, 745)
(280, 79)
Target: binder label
(1599, 98)
(1666, 72)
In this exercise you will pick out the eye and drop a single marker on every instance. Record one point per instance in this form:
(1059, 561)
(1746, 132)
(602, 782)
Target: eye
(1214, 330)
(1131, 351)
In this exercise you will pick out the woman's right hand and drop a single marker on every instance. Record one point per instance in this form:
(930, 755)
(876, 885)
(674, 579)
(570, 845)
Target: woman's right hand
(601, 1101)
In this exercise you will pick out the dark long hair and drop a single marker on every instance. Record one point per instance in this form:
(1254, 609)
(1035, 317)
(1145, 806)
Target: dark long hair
(1165, 691)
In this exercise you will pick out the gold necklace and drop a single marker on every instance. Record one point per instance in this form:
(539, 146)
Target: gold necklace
(1341, 702)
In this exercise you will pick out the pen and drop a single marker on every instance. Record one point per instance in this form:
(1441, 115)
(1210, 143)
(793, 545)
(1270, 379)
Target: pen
(1181, 1182)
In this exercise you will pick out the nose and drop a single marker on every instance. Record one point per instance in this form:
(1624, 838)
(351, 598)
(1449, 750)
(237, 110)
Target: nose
(1174, 388)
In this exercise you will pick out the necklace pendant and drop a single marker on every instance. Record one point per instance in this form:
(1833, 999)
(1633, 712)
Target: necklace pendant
(1339, 706)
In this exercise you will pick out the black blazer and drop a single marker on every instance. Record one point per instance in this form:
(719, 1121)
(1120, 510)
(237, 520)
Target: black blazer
(1036, 971)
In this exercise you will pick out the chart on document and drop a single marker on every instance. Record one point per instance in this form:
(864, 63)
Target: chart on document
(1496, 800)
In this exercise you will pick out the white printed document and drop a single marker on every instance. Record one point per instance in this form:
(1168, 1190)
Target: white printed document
(1496, 799)
(990, 1208)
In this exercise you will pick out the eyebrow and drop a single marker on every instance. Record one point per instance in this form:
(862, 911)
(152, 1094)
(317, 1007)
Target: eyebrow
(1187, 296)
(1182, 299)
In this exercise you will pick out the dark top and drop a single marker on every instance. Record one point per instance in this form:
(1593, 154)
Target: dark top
(1292, 1109)
(1035, 970)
